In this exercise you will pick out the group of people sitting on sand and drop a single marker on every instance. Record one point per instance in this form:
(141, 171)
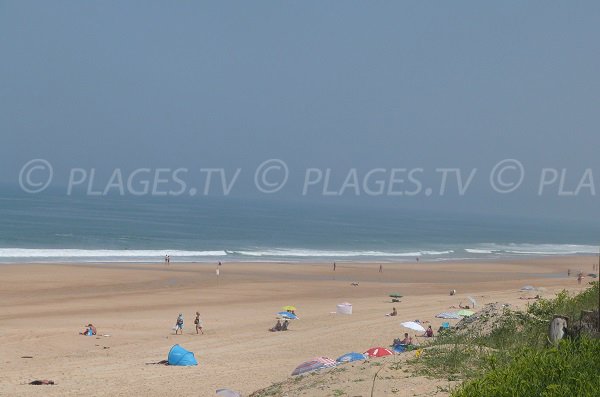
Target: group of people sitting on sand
(407, 342)
(279, 326)
(89, 330)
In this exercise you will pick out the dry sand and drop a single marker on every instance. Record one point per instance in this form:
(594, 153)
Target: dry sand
(44, 306)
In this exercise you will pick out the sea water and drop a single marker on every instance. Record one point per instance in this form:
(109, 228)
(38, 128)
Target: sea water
(58, 228)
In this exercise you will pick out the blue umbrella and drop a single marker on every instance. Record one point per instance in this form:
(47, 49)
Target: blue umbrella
(349, 357)
(288, 315)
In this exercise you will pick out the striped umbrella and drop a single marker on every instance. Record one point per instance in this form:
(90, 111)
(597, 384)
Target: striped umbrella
(314, 364)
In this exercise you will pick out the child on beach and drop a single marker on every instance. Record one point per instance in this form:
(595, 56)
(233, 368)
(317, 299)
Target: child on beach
(198, 322)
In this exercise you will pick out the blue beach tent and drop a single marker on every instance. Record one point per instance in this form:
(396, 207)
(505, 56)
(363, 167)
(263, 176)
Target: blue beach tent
(179, 356)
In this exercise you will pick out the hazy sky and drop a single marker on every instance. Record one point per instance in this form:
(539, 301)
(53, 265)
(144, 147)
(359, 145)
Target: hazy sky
(335, 84)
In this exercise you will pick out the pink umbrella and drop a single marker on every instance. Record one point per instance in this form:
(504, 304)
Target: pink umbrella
(378, 352)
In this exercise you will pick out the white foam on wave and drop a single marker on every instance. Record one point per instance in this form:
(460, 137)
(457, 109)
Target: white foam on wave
(309, 253)
(16, 253)
(478, 251)
(534, 249)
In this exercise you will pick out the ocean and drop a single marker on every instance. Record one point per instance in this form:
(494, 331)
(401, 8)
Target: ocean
(59, 228)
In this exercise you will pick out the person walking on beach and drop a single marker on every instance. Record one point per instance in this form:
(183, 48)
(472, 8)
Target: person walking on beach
(219, 263)
(179, 324)
(334, 266)
(579, 278)
(198, 322)
(380, 268)
(166, 259)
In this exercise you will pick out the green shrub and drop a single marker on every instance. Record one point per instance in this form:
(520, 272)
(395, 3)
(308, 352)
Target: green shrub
(571, 369)
(565, 304)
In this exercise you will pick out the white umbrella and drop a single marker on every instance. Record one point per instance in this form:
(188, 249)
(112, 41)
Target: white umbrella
(472, 300)
(528, 288)
(413, 325)
(228, 393)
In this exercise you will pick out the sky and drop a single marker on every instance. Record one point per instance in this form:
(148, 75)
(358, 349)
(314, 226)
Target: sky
(336, 85)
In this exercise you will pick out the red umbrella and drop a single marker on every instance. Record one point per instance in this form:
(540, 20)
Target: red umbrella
(378, 352)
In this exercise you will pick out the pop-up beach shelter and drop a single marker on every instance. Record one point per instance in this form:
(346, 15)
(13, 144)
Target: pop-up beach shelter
(344, 308)
(179, 356)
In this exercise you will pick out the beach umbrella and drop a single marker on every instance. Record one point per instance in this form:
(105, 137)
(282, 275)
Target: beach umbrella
(287, 315)
(465, 313)
(349, 357)
(227, 393)
(395, 295)
(313, 365)
(378, 352)
(528, 288)
(289, 308)
(413, 325)
(472, 300)
(448, 315)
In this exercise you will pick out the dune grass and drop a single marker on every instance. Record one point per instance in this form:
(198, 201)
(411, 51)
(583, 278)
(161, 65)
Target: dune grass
(514, 358)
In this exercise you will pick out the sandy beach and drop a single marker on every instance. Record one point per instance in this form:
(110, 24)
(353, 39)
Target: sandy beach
(44, 306)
